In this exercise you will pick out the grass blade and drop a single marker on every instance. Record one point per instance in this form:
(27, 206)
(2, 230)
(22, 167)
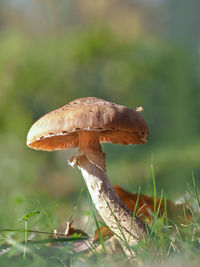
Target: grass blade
(154, 187)
(99, 232)
(165, 209)
(134, 212)
(159, 205)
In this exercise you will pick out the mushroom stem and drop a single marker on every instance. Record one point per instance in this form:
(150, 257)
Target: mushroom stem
(90, 147)
(91, 161)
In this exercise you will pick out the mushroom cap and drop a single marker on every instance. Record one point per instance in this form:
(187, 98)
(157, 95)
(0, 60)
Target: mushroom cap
(114, 123)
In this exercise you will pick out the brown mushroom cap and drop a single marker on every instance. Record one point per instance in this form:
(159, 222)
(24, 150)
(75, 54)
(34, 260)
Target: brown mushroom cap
(114, 123)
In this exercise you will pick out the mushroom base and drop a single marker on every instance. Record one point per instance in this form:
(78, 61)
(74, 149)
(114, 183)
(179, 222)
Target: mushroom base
(110, 207)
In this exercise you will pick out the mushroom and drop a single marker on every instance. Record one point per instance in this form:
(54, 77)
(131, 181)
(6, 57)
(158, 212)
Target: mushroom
(85, 123)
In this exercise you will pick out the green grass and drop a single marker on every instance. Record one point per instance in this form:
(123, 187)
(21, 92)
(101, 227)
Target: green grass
(166, 243)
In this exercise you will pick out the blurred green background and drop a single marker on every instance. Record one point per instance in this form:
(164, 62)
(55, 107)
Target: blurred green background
(135, 53)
